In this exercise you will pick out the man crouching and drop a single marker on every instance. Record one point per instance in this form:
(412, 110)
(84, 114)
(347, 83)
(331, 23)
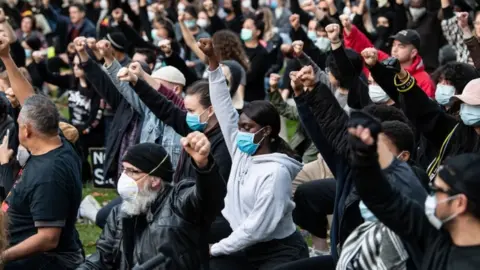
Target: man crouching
(156, 217)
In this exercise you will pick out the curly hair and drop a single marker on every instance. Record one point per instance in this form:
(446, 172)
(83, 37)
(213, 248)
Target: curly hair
(228, 46)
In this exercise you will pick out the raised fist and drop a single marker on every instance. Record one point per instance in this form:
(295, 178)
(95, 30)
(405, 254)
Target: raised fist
(295, 21)
(80, 43)
(136, 69)
(307, 76)
(206, 46)
(273, 81)
(370, 56)
(197, 145)
(125, 75)
(333, 32)
(346, 23)
(117, 14)
(296, 83)
(462, 20)
(297, 46)
(166, 46)
(309, 6)
(105, 48)
(91, 43)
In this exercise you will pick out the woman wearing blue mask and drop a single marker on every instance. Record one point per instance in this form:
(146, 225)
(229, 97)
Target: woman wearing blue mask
(450, 135)
(251, 35)
(258, 204)
(197, 114)
(451, 78)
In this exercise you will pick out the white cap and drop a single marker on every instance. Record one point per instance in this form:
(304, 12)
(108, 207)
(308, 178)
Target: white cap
(169, 74)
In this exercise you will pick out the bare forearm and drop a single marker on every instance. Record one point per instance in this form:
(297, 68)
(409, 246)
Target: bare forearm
(20, 86)
(33, 245)
(10, 32)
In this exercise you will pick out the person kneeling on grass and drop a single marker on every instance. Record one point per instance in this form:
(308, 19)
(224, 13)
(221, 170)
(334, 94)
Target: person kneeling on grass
(156, 217)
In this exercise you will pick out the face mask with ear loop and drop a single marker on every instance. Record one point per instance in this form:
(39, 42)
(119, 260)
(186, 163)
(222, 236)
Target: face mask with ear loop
(431, 204)
(127, 187)
(245, 142)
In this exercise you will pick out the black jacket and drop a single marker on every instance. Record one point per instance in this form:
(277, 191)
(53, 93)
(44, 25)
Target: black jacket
(124, 114)
(174, 117)
(407, 219)
(175, 225)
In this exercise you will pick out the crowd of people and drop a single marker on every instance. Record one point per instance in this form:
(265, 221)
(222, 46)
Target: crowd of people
(190, 100)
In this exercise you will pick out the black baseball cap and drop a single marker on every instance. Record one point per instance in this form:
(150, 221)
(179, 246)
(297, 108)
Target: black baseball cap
(408, 36)
(462, 174)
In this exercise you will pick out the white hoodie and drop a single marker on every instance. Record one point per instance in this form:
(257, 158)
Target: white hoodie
(258, 204)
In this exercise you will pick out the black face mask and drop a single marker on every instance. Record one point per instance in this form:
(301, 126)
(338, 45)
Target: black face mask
(383, 31)
(228, 10)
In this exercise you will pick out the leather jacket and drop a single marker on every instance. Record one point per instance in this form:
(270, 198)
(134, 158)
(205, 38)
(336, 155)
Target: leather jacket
(176, 225)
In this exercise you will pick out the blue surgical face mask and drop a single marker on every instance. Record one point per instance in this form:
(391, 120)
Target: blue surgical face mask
(153, 34)
(367, 215)
(323, 44)
(194, 123)
(190, 23)
(28, 53)
(273, 4)
(470, 115)
(246, 34)
(444, 93)
(245, 142)
(312, 35)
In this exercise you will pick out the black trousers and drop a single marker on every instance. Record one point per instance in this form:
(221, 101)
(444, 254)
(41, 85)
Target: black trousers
(314, 201)
(264, 256)
(314, 263)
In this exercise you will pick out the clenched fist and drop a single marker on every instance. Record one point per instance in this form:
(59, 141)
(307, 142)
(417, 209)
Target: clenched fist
(125, 75)
(307, 76)
(197, 145)
(370, 56)
(136, 69)
(333, 33)
(206, 45)
(297, 47)
(105, 49)
(80, 43)
(295, 21)
(166, 47)
(273, 81)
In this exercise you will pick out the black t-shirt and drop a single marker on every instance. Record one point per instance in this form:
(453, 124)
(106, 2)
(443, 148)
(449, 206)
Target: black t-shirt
(47, 194)
(255, 88)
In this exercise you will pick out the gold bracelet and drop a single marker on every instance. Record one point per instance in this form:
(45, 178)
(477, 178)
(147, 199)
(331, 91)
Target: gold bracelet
(407, 86)
(401, 83)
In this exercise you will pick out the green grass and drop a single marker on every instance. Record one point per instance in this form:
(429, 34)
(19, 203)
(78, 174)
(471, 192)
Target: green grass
(89, 232)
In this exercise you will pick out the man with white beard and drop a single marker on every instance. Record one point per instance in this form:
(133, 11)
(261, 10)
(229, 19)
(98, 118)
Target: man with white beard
(155, 216)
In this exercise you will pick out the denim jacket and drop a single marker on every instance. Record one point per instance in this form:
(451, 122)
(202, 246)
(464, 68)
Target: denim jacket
(153, 130)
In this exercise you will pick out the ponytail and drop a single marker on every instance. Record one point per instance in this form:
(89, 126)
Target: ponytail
(279, 145)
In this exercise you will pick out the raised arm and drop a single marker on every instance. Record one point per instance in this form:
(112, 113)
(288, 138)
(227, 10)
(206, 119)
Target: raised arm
(97, 76)
(163, 108)
(206, 202)
(220, 96)
(20, 85)
(398, 212)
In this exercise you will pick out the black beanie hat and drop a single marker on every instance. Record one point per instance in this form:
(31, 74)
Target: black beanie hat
(118, 41)
(151, 158)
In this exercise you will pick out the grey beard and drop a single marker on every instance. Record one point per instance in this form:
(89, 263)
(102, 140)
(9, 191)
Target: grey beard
(142, 202)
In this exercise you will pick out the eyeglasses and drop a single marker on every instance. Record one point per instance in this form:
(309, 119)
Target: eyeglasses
(132, 172)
